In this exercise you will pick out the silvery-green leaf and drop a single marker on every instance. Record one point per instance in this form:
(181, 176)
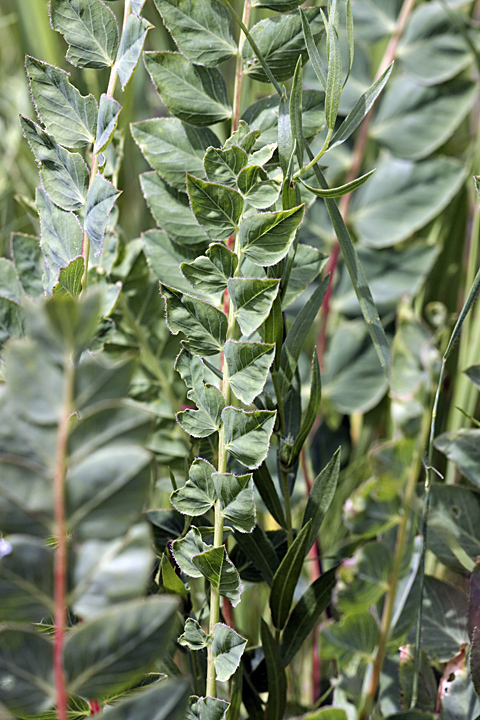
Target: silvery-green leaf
(248, 365)
(217, 208)
(186, 548)
(209, 401)
(206, 708)
(10, 285)
(247, 434)
(171, 210)
(26, 580)
(160, 700)
(237, 503)
(353, 635)
(64, 174)
(193, 636)
(280, 40)
(204, 325)
(216, 567)
(255, 187)
(201, 29)
(277, 5)
(223, 166)
(193, 93)
(198, 494)
(173, 148)
(131, 45)
(164, 259)
(69, 116)
(402, 197)
(61, 234)
(307, 265)
(252, 300)
(100, 199)
(210, 273)
(27, 257)
(90, 29)
(108, 113)
(414, 120)
(263, 115)
(266, 238)
(70, 278)
(227, 650)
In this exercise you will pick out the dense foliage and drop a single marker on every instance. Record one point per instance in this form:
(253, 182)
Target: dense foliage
(239, 465)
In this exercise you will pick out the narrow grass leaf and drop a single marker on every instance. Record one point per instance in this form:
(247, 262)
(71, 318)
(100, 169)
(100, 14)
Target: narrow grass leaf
(286, 578)
(296, 111)
(306, 614)
(341, 190)
(313, 408)
(321, 496)
(277, 681)
(313, 54)
(260, 551)
(268, 493)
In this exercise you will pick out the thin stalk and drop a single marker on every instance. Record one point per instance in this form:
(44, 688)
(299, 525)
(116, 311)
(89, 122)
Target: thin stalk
(402, 536)
(430, 471)
(112, 81)
(60, 568)
(316, 158)
(288, 507)
(237, 91)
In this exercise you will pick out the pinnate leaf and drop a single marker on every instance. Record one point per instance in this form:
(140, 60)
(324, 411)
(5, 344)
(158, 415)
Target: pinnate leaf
(252, 300)
(131, 45)
(215, 566)
(108, 113)
(90, 29)
(237, 504)
(60, 232)
(266, 238)
(227, 651)
(204, 325)
(186, 548)
(217, 208)
(247, 434)
(223, 166)
(248, 365)
(100, 200)
(210, 273)
(193, 636)
(198, 494)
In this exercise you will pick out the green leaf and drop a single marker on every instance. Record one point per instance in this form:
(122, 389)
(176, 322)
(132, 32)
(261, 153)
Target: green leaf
(10, 287)
(171, 582)
(313, 408)
(171, 210)
(90, 29)
(105, 655)
(215, 566)
(313, 54)
(305, 615)
(193, 636)
(131, 45)
(198, 494)
(277, 5)
(227, 650)
(374, 21)
(402, 197)
(390, 276)
(202, 30)
(269, 495)
(247, 434)
(444, 619)
(100, 200)
(286, 578)
(365, 579)
(137, 6)
(353, 378)
(107, 573)
(295, 110)
(307, 266)
(248, 365)
(163, 700)
(297, 335)
(263, 115)
(412, 715)
(429, 49)
(217, 208)
(453, 519)
(472, 372)
(26, 580)
(64, 175)
(255, 187)
(277, 681)
(260, 551)
(209, 401)
(223, 166)
(286, 143)
(28, 260)
(60, 232)
(355, 635)
(204, 325)
(462, 447)
(267, 237)
(339, 191)
(70, 277)
(172, 148)
(108, 113)
(237, 503)
(456, 692)
(26, 669)
(321, 496)
(206, 708)
(280, 40)
(69, 116)
(195, 94)
(414, 120)
(426, 698)
(210, 273)
(186, 548)
(333, 88)
(361, 108)
(252, 300)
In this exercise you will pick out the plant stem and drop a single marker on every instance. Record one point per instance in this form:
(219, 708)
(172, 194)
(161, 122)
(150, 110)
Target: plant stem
(60, 569)
(112, 81)
(402, 535)
(237, 91)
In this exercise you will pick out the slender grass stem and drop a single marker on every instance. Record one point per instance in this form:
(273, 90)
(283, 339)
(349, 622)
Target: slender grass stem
(60, 568)
(112, 81)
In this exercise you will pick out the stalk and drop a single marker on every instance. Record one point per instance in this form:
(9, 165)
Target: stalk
(60, 568)
(94, 168)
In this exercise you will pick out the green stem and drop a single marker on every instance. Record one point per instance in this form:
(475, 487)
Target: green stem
(288, 509)
(237, 92)
(316, 158)
(60, 570)
(112, 81)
